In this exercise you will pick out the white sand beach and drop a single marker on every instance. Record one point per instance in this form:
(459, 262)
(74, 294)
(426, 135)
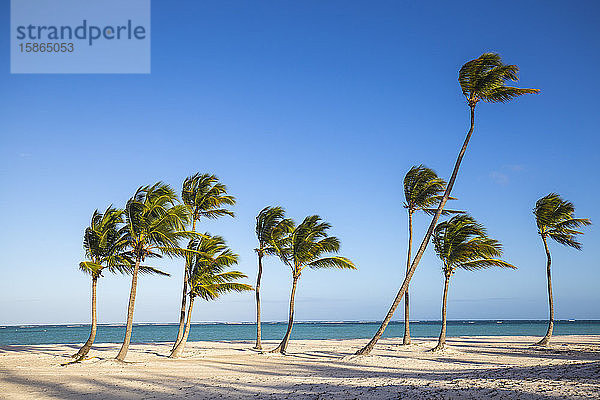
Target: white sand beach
(470, 368)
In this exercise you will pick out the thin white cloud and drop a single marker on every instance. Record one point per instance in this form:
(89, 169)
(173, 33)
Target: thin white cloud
(499, 178)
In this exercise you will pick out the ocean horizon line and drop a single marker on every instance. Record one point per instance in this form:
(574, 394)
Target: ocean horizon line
(116, 324)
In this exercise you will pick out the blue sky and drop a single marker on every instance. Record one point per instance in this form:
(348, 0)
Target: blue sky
(320, 107)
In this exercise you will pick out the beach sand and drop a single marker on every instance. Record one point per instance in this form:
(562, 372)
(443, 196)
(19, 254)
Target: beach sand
(470, 368)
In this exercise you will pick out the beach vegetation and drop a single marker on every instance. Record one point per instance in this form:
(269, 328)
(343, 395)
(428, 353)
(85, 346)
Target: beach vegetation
(422, 191)
(482, 79)
(462, 243)
(155, 224)
(105, 249)
(208, 262)
(555, 220)
(309, 246)
(205, 198)
(272, 232)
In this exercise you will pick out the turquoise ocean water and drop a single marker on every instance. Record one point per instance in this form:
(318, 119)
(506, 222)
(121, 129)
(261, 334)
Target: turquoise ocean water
(147, 333)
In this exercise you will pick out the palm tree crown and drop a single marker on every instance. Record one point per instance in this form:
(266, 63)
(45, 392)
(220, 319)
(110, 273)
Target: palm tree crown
(484, 79)
(155, 222)
(308, 242)
(104, 244)
(422, 189)
(206, 197)
(555, 219)
(209, 278)
(272, 230)
(461, 242)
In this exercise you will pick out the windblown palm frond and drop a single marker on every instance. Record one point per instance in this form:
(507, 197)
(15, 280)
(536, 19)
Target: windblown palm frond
(461, 242)
(272, 230)
(332, 262)
(91, 268)
(207, 265)
(156, 223)
(206, 197)
(104, 243)
(423, 189)
(555, 219)
(485, 77)
(308, 242)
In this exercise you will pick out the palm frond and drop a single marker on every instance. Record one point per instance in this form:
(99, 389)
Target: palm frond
(206, 197)
(485, 263)
(147, 270)
(332, 262)
(104, 242)
(90, 268)
(506, 94)
(213, 291)
(432, 211)
(566, 239)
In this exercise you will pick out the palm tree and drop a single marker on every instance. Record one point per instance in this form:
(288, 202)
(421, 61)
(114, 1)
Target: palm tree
(104, 245)
(308, 242)
(422, 190)
(481, 79)
(463, 243)
(555, 220)
(206, 198)
(208, 278)
(272, 230)
(154, 225)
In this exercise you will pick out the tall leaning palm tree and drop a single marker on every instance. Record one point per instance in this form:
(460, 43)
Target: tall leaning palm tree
(208, 278)
(272, 231)
(555, 220)
(422, 191)
(462, 243)
(205, 198)
(154, 226)
(482, 79)
(308, 243)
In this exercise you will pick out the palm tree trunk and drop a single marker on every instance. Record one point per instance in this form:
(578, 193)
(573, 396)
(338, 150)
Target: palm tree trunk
(88, 345)
(367, 349)
(182, 312)
(258, 345)
(178, 350)
(284, 343)
(130, 308)
(442, 339)
(546, 338)
(406, 339)
(183, 299)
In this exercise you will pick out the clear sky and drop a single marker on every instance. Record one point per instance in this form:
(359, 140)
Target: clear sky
(320, 107)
